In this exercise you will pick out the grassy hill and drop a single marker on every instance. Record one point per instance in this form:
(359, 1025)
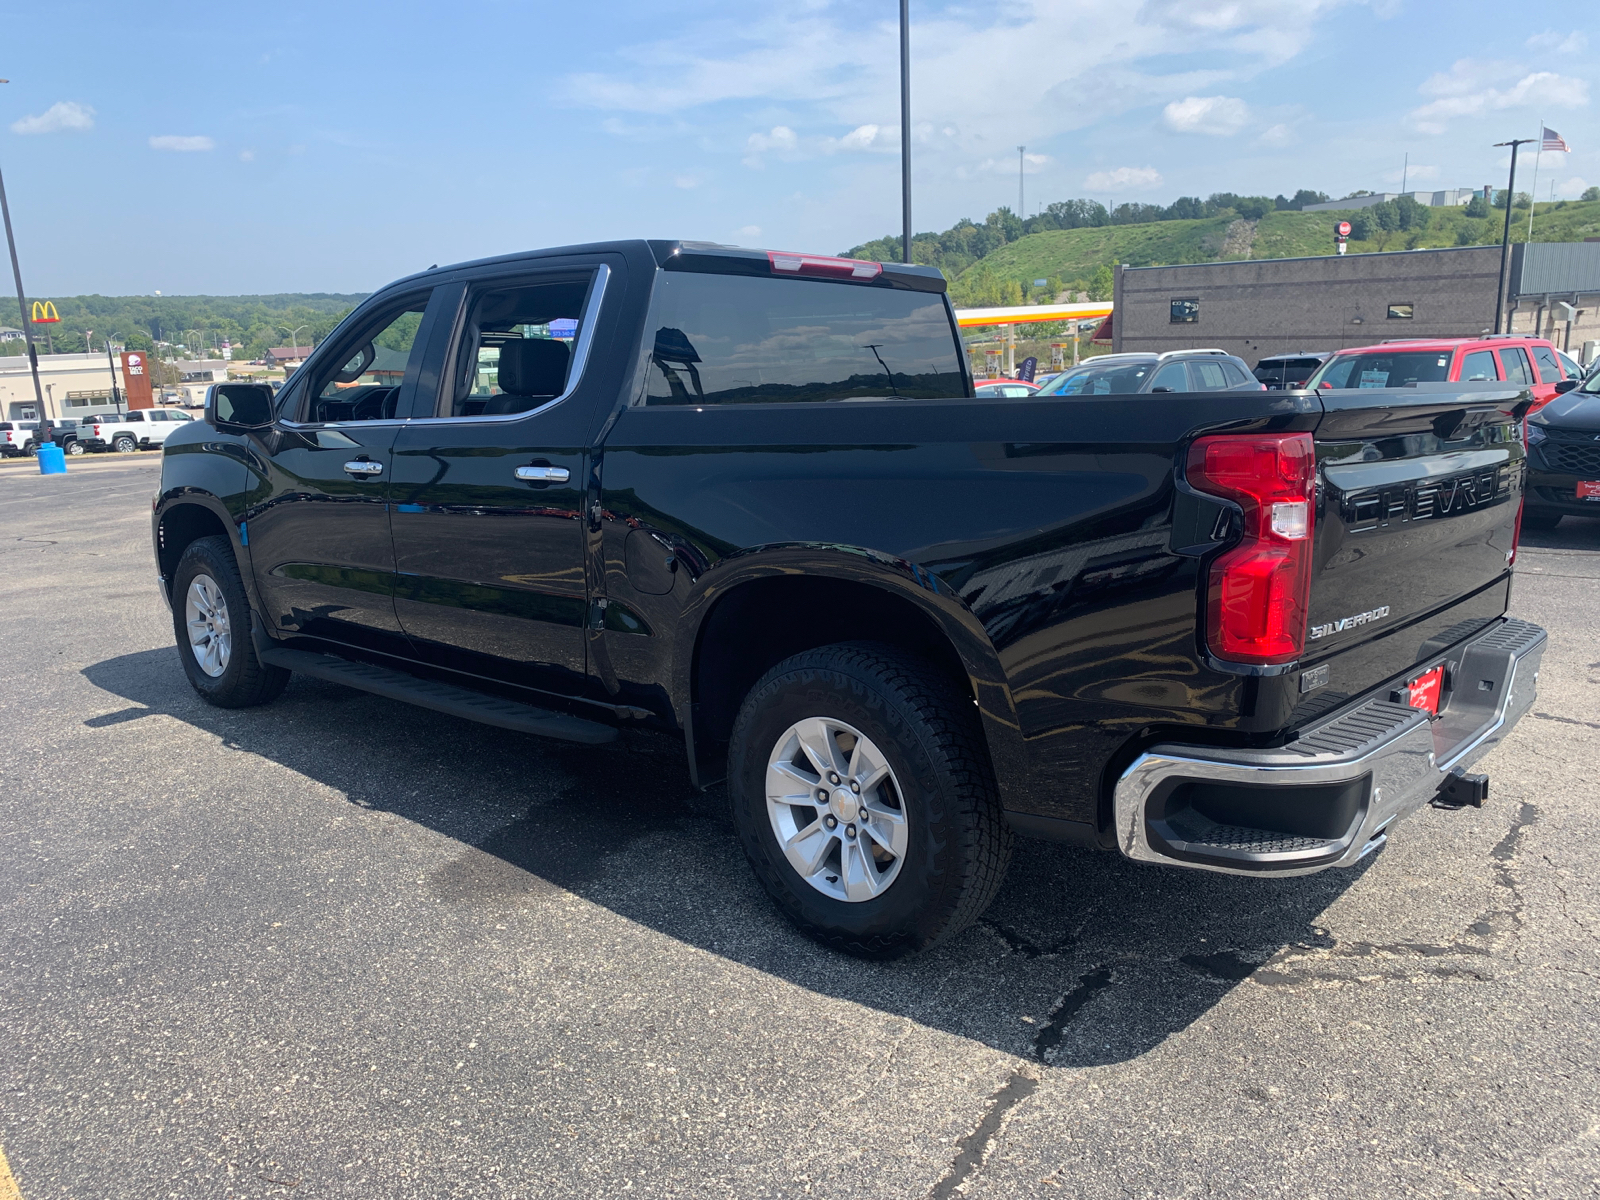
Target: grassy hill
(1074, 256)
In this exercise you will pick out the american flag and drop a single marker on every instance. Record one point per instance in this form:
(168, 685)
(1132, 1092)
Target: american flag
(1554, 141)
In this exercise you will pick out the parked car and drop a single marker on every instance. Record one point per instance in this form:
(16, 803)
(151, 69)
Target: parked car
(1524, 361)
(138, 429)
(750, 499)
(1564, 456)
(1136, 373)
(16, 438)
(1285, 372)
(63, 431)
(1004, 387)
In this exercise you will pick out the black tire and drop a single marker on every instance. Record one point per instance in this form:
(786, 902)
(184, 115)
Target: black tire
(958, 841)
(1540, 518)
(74, 447)
(245, 680)
(30, 449)
(124, 444)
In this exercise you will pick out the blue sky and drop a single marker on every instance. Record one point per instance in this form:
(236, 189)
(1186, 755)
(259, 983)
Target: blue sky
(205, 148)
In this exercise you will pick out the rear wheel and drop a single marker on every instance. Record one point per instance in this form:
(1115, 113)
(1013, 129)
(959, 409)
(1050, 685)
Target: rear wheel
(1540, 518)
(211, 617)
(124, 444)
(74, 447)
(864, 799)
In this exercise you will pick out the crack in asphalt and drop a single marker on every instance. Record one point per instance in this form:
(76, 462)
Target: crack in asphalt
(973, 1150)
(1055, 1024)
(1567, 720)
(1021, 944)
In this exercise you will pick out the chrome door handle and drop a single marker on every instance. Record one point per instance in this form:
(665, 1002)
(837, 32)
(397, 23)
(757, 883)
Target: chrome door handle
(543, 474)
(361, 468)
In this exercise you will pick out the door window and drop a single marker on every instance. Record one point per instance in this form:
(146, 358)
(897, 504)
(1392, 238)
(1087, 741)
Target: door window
(515, 352)
(729, 339)
(1170, 378)
(361, 381)
(1208, 377)
(1236, 377)
(1515, 362)
(1478, 367)
(1574, 371)
(1549, 368)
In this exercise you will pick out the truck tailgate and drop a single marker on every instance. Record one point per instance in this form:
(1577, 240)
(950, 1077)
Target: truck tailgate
(1419, 497)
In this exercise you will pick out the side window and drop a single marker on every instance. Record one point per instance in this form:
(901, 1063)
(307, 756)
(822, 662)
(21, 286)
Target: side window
(178, 416)
(1549, 368)
(1208, 377)
(361, 382)
(1170, 378)
(738, 339)
(1516, 365)
(1234, 374)
(136, 417)
(1574, 371)
(1479, 366)
(515, 352)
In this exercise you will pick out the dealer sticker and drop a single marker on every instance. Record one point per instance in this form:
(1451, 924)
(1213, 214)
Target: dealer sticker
(1589, 489)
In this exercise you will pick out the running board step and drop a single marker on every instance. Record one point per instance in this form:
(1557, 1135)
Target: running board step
(441, 697)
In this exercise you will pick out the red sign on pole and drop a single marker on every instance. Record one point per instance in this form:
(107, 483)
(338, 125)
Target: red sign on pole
(1342, 228)
(136, 379)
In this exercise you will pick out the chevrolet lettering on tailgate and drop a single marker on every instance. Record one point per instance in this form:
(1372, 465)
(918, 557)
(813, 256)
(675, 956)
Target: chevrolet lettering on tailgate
(1343, 623)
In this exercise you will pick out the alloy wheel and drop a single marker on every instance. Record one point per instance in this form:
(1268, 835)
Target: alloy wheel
(836, 809)
(205, 612)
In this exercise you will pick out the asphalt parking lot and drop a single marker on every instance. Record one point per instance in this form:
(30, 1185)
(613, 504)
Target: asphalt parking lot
(338, 946)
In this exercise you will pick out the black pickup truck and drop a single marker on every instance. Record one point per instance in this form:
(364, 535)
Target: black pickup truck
(750, 498)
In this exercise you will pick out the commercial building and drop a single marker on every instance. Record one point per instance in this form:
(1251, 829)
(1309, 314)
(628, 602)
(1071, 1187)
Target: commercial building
(74, 385)
(1449, 198)
(1257, 307)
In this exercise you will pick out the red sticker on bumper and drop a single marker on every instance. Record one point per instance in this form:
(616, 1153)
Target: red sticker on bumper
(1425, 690)
(1589, 489)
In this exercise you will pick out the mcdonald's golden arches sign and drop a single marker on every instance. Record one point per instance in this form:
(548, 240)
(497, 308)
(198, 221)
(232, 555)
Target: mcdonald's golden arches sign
(44, 313)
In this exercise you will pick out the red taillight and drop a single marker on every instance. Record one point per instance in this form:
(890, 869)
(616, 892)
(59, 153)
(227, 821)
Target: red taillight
(1259, 591)
(822, 265)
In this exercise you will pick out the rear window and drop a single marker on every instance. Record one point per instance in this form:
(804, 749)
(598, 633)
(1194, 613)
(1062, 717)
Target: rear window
(1275, 370)
(1112, 379)
(1386, 370)
(730, 339)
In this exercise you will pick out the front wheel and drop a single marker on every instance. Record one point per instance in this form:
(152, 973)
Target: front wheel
(864, 798)
(212, 620)
(74, 447)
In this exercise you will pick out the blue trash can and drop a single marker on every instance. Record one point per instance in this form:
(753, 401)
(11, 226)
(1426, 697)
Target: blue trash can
(52, 460)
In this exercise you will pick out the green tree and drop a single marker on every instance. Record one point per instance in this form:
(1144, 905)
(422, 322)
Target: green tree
(1101, 284)
(1011, 292)
(1590, 194)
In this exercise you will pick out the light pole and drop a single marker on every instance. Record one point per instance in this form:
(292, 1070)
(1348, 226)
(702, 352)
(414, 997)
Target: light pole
(295, 345)
(905, 129)
(1505, 240)
(1022, 205)
(22, 299)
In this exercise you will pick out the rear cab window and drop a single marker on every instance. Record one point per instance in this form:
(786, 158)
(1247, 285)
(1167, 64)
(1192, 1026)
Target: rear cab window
(1118, 378)
(732, 339)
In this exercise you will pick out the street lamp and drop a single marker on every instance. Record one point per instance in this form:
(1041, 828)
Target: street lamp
(905, 129)
(295, 345)
(1505, 240)
(22, 300)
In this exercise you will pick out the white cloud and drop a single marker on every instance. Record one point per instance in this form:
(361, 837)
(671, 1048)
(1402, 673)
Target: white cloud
(781, 138)
(859, 138)
(172, 141)
(247, 156)
(1278, 135)
(1572, 188)
(748, 231)
(63, 114)
(1408, 175)
(1219, 116)
(1123, 179)
(1467, 90)
(1551, 42)
(686, 181)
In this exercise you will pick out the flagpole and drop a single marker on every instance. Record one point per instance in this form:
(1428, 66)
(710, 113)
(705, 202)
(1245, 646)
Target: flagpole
(1533, 196)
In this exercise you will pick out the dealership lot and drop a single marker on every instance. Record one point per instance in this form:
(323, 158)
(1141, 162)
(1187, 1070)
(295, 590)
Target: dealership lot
(338, 946)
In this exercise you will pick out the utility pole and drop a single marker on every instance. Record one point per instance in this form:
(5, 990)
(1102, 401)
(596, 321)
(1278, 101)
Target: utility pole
(1022, 204)
(905, 130)
(116, 396)
(1405, 171)
(1505, 240)
(22, 298)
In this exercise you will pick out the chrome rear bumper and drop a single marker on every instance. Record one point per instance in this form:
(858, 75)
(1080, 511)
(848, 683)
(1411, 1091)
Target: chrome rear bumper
(1390, 759)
